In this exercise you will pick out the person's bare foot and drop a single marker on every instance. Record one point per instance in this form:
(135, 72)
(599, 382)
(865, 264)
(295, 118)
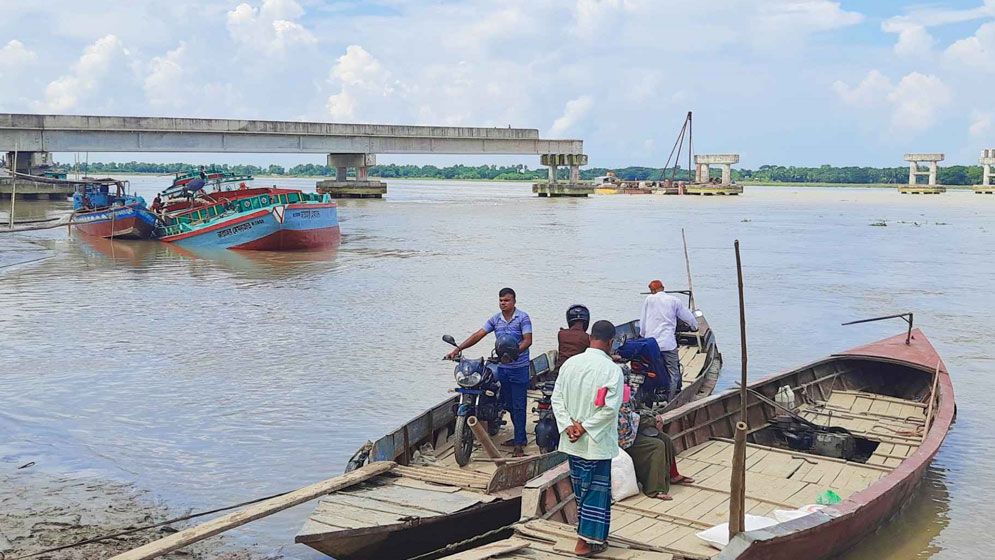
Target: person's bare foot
(662, 496)
(508, 443)
(682, 480)
(518, 451)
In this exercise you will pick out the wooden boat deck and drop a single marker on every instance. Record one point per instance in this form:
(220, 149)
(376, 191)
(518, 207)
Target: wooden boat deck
(428, 485)
(650, 528)
(894, 395)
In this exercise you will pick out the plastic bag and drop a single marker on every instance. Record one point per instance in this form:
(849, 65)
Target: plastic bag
(828, 498)
(624, 482)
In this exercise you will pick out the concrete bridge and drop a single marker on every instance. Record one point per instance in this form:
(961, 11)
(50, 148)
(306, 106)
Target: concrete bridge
(346, 145)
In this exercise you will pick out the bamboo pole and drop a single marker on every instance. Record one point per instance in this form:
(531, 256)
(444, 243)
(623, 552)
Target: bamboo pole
(485, 440)
(687, 266)
(185, 537)
(737, 486)
(932, 400)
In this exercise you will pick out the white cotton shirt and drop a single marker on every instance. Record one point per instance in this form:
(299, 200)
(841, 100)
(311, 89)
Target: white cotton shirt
(574, 395)
(659, 319)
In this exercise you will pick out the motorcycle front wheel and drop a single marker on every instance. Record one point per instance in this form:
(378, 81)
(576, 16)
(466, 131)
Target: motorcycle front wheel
(464, 442)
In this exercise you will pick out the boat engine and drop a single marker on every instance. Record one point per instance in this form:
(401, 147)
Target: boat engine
(828, 442)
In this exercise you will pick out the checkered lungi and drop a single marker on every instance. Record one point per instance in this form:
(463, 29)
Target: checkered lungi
(592, 485)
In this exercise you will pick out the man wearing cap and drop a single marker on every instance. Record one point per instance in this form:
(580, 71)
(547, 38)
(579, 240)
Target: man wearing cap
(658, 320)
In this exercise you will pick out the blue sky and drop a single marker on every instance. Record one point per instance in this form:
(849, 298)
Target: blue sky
(801, 82)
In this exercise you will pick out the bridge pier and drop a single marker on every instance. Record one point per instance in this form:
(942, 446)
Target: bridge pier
(361, 186)
(703, 185)
(932, 159)
(987, 160)
(573, 185)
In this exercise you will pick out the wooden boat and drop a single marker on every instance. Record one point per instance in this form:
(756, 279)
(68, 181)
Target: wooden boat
(260, 219)
(895, 397)
(98, 212)
(428, 501)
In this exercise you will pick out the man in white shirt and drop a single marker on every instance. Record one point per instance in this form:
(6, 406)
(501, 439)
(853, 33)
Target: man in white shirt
(658, 320)
(586, 400)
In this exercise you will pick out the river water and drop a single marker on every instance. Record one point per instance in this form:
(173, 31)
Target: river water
(208, 380)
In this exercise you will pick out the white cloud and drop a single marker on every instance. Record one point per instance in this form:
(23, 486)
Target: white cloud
(806, 15)
(165, 82)
(872, 90)
(97, 62)
(270, 29)
(913, 102)
(914, 40)
(981, 124)
(15, 54)
(359, 75)
(916, 100)
(341, 106)
(573, 112)
(976, 51)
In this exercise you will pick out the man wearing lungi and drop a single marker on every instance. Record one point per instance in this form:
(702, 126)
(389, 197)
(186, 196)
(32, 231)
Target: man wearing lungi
(586, 399)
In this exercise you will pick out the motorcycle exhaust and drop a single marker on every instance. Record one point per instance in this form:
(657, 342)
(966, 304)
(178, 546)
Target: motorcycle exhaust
(485, 440)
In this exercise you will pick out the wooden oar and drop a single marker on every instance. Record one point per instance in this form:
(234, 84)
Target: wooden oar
(262, 509)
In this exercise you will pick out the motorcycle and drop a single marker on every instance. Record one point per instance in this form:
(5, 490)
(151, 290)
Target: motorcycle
(480, 396)
(547, 432)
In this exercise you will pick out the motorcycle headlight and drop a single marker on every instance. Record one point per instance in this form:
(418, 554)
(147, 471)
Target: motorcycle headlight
(467, 378)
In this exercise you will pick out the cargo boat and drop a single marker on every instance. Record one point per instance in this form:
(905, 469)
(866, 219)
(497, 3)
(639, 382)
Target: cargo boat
(99, 213)
(894, 397)
(260, 219)
(428, 501)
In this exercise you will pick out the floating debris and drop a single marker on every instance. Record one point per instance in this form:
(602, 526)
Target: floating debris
(879, 223)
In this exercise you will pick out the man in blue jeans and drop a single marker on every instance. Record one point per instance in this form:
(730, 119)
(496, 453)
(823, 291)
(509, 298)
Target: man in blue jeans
(514, 376)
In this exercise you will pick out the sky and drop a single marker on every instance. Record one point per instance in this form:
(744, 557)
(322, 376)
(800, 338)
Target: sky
(790, 82)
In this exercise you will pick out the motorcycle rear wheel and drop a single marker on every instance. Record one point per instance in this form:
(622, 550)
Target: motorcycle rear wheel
(463, 446)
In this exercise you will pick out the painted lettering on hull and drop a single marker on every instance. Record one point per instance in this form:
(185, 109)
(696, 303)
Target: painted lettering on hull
(244, 226)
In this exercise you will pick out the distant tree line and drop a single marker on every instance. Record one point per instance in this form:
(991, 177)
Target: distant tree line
(951, 175)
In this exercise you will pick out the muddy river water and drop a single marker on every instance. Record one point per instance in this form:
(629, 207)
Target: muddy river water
(206, 380)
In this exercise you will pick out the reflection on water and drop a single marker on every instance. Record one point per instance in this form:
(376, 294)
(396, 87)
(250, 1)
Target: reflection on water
(210, 379)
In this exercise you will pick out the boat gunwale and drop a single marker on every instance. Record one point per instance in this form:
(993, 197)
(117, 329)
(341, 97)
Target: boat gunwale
(851, 507)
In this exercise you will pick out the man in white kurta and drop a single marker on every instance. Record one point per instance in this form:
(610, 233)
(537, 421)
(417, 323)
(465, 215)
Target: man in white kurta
(586, 399)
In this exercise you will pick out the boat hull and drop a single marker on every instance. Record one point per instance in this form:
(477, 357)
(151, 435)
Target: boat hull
(291, 227)
(119, 223)
(828, 534)
(420, 536)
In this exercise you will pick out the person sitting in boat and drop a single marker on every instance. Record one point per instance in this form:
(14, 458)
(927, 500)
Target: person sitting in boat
(156, 205)
(660, 315)
(514, 376)
(574, 339)
(654, 458)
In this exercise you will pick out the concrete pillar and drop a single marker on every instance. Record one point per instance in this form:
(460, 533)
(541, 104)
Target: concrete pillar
(552, 173)
(26, 161)
(913, 169)
(986, 179)
(574, 173)
(932, 173)
(362, 173)
(340, 173)
(342, 163)
(726, 174)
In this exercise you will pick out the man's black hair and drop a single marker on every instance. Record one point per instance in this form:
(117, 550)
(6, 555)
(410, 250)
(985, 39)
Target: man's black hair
(603, 331)
(507, 292)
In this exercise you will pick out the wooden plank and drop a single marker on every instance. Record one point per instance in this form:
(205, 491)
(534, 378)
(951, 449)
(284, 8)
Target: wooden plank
(412, 497)
(423, 510)
(423, 485)
(256, 511)
(492, 550)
